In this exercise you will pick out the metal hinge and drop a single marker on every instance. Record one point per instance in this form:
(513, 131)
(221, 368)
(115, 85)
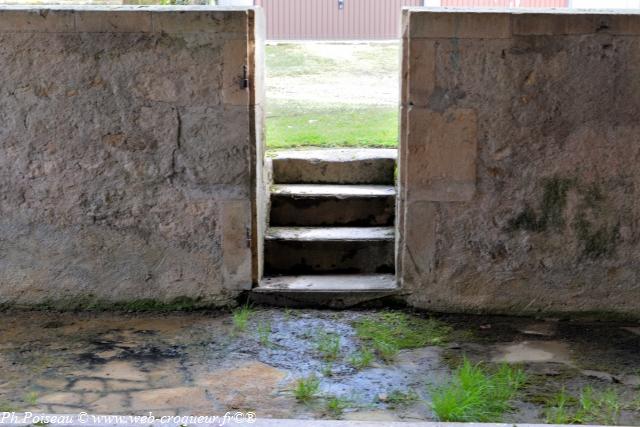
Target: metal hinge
(245, 78)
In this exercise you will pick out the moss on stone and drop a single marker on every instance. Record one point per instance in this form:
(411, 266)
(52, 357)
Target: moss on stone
(550, 210)
(554, 200)
(596, 243)
(526, 220)
(91, 303)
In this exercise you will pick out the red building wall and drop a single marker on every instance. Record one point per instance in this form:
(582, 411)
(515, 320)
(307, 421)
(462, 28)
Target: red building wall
(357, 19)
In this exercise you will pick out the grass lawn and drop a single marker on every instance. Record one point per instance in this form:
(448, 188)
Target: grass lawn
(332, 95)
(344, 126)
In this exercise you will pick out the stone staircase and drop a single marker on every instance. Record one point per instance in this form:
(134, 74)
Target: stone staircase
(331, 226)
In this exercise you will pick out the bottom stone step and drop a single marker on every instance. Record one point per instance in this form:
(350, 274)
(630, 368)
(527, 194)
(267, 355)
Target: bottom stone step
(330, 291)
(329, 283)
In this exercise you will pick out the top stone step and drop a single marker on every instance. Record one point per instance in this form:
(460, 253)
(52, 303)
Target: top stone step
(335, 166)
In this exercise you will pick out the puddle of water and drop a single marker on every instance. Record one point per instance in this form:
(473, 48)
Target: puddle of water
(533, 352)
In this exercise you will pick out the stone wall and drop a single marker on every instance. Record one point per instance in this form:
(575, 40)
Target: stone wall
(519, 162)
(127, 153)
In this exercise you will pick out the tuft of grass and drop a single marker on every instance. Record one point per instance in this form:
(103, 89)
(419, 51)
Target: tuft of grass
(328, 345)
(590, 407)
(362, 359)
(475, 395)
(6, 406)
(390, 332)
(635, 404)
(399, 398)
(306, 388)
(264, 333)
(327, 369)
(30, 398)
(335, 405)
(241, 317)
(557, 410)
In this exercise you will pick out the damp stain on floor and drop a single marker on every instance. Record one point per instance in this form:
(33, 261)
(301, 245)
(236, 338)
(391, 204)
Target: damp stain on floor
(203, 363)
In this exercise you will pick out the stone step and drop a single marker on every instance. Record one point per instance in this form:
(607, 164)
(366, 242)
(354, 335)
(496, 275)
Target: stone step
(329, 250)
(329, 283)
(335, 166)
(332, 205)
(334, 291)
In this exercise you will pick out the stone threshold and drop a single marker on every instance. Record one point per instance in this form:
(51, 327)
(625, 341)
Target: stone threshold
(321, 234)
(333, 190)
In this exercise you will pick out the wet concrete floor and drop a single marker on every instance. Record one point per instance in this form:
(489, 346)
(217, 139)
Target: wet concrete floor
(201, 363)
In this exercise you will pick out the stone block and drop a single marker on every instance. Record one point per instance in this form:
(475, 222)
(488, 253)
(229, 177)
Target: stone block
(113, 21)
(422, 69)
(37, 21)
(554, 24)
(467, 25)
(442, 151)
(236, 243)
(235, 89)
(574, 24)
(231, 23)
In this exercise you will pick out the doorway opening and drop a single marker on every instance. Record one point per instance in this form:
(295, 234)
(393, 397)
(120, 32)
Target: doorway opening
(331, 138)
(331, 121)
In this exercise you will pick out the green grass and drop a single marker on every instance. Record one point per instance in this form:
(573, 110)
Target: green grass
(474, 394)
(327, 369)
(264, 333)
(306, 388)
(30, 398)
(6, 406)
(366, 126)
(328, 345)
(390, 332)
(290, 60)
(335, 406)
(362, 358)
(399, 398)
(589, 407)
(241, 317)
(331, 95)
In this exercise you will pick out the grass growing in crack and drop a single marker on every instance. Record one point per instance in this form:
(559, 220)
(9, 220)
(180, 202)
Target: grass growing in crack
(264, 333)
(241, 317)
(6, 406)
(306, 388)
(635, 404)
(362, 359)
(335, 405)
(327, 369)
(390, 332)
(589, 407)
(328, 345)
(474, 394)
(30, 398)
(399, 398)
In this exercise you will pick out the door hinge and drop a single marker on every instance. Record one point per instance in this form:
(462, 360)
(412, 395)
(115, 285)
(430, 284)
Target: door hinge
(244, 84)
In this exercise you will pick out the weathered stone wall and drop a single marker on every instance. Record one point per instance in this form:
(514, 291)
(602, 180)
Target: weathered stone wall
(126, 153)
(519, 162)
